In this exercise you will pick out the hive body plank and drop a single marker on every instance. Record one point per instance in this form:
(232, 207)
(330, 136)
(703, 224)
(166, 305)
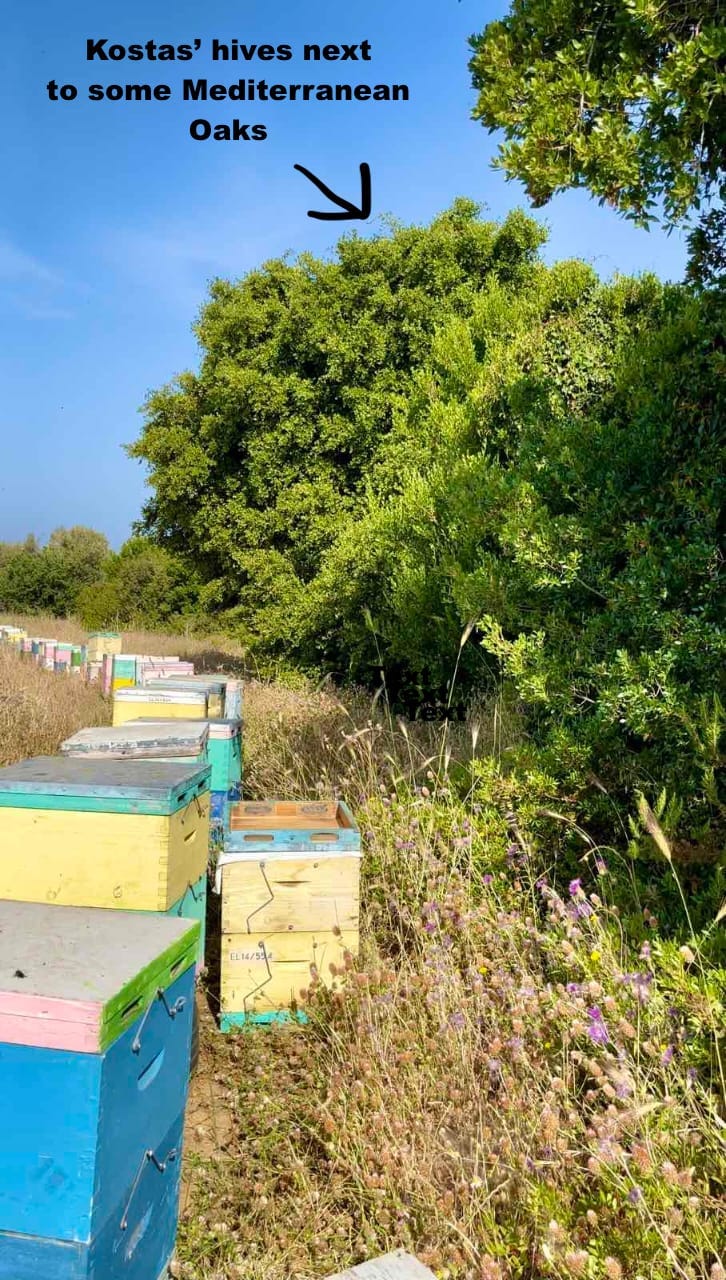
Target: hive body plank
(141, 1250)
(130, 704)
(263, 975)
(139, 862)
(102, 833)
(213, 689)
(192, 905)
(283, 894)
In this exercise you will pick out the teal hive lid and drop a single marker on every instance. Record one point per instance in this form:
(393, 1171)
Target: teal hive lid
(102, 786)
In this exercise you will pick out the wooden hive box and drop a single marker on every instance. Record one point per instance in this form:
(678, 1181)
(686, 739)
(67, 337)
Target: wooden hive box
(213, 687)
(169, 704)
(96, 1014)
(223, 752)
(102, 833)
(102, 642)
(123, 671)
(289, 877)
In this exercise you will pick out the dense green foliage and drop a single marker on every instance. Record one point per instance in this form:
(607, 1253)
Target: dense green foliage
(624, 97)
(48, 579)
(437, 457)
(143, 584)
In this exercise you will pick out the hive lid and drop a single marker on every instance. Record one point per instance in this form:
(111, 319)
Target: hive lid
(107, 786)
(207, 683)
(278, 826)
(140, 741)
(76, 977)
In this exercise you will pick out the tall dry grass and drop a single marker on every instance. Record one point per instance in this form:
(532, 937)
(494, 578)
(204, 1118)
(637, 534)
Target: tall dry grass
(39, 709)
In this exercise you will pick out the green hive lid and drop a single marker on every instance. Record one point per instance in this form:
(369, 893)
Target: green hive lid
(78, 977)
(107, 786)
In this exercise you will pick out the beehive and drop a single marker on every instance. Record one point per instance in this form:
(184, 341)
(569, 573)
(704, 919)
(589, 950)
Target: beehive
(167, 704)
(96, 1014)
(213, 687)
(224, 754)
(289, 877)
(123, 671)
(102, 833)
(233, 699)
(102, 642)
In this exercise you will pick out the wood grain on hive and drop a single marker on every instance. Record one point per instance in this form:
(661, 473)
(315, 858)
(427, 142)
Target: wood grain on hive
(289, 877)
(131, 834)
(95, 1033)
(170, 704)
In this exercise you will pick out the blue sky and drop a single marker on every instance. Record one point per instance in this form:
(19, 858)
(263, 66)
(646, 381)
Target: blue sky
(112, 220)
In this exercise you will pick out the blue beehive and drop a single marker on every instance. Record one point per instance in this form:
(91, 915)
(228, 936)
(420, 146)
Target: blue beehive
(96, 1012)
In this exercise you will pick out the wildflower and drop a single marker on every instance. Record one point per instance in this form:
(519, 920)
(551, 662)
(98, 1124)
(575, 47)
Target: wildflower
(595, 956)
(457, 1021)
(667, 1055)
(645, 951)
(601, 866)
(575, 888)
(488, 879)
(612, 1269)
(635, 1195)
(687, 955)
(576, 1262)
(574, 988)
(692, 1075)
(597, 1030)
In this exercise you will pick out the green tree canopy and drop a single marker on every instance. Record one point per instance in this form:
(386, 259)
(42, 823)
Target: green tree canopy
(625, 97)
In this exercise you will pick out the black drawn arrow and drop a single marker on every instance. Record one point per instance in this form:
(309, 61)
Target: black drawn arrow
(349, 210)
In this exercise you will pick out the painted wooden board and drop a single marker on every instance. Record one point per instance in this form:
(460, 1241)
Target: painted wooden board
(214, 689)
(392, 1266)
(109, 786)
(224, 750)
(81, 1175)
(192, 905)
(133, 861)
(161, 739)
(75, 978)
(130, 704)
(263, 973)
(284, 894)
(260, 826)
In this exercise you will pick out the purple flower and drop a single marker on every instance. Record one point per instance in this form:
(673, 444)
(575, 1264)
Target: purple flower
(640, 985)
(667, 1056)
(575, 888)
(574, 988)
(635, 1195)
(645, 951)
(601, 866)
(457, 1021)
(597, 1030)
(488, 879)
(692, 1075)
(431, 926)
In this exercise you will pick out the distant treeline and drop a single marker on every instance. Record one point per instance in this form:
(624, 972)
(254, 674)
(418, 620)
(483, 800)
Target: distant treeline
(77, 573)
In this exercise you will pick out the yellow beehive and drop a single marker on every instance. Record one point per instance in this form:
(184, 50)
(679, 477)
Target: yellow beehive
(134, 704)
(289, 878)
(97, 833)
(263, 974)
(103, 642)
